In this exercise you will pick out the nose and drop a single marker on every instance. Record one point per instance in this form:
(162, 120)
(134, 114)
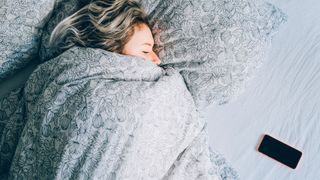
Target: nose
(155, 58)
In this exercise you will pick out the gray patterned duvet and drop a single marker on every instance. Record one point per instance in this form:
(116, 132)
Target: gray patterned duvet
(94, 114)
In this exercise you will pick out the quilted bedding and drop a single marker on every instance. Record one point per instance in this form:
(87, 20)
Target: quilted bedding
(94, 114)
(90, 113)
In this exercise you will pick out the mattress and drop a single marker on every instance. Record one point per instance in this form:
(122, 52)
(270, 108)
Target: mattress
(282, 100)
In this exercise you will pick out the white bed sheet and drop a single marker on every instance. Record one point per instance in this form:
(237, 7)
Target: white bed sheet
(283, 100)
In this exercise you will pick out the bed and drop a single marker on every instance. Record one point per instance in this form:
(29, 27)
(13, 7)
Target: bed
(283, 100)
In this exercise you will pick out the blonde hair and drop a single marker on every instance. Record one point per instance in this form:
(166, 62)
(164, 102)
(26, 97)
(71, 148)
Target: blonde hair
(105, 24)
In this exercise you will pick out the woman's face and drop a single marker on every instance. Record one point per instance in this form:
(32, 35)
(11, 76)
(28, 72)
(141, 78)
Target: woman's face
(141, 44)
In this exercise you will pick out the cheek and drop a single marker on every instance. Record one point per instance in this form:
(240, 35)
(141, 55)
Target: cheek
(128, 51)
(135, 53)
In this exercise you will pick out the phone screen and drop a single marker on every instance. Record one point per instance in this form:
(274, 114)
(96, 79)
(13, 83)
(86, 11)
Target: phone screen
(280, 151)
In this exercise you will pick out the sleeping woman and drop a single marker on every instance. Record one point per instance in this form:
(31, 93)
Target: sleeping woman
(119, 26)
(106, 109)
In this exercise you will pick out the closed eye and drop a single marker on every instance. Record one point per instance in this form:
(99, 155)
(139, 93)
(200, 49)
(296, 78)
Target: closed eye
(145, 52)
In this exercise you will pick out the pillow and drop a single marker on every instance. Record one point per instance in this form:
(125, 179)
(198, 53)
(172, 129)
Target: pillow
(215, 44)
(20, 32)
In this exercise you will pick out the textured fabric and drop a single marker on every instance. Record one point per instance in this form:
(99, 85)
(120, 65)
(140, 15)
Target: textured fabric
(12, 121)
(94, 114)
(20, 32)
(212, 47)
(229, 39)
(216, 45)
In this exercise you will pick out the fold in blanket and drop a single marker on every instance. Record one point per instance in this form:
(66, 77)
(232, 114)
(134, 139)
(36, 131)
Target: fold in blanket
(94, 114)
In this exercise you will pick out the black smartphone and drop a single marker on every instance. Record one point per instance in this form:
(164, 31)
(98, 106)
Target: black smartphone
(280, 151)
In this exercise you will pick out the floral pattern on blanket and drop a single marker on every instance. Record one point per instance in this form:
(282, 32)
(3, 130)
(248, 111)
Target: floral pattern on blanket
(20, 32)
(94, 114)
(214, 45)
